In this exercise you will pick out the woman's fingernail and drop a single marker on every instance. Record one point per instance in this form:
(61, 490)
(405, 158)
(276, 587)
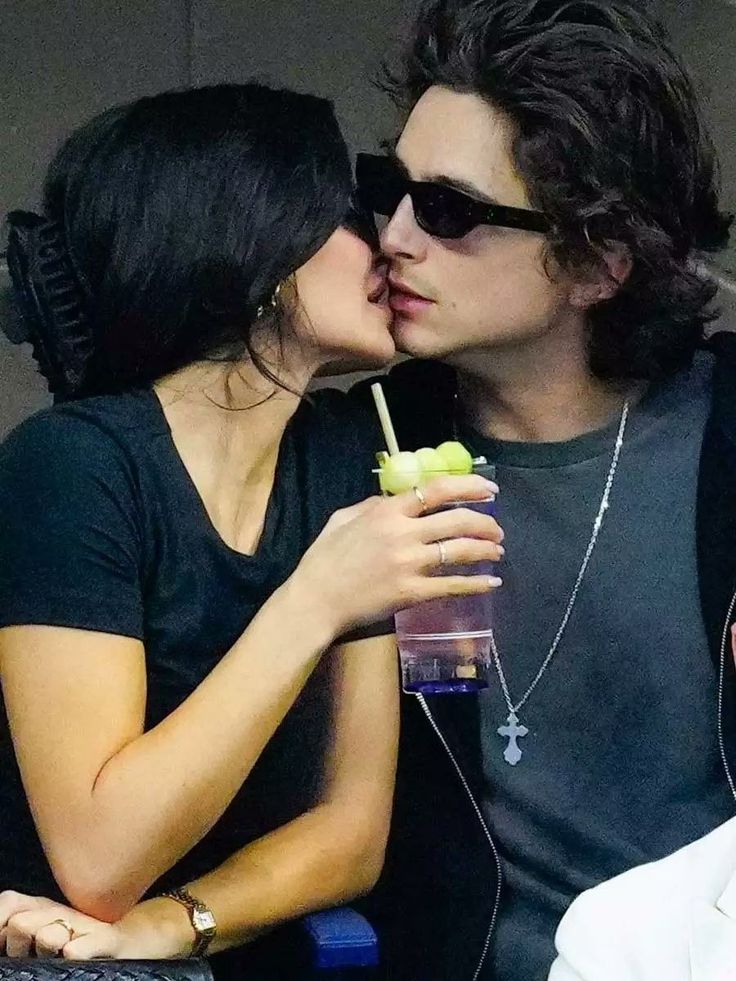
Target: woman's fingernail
(493, 488)
(501, 550)
(495, 581)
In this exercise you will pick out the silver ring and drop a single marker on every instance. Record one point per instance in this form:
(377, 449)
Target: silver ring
(421, 498)
(443, 552)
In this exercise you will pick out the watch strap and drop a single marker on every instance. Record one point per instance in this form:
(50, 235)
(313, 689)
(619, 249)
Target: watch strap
(198, 911)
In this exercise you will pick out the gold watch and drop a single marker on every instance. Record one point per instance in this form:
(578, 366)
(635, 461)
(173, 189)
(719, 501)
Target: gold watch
(200, 916)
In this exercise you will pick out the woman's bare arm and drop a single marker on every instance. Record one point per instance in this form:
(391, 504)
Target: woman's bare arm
(326, 856)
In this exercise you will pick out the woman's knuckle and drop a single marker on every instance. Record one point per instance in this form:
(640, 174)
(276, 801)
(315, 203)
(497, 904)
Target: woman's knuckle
(413, 595)
(18, 922)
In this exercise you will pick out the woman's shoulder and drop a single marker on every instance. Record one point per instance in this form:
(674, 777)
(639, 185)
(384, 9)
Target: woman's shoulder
(104, 424)
(72, 524)
(93, 442)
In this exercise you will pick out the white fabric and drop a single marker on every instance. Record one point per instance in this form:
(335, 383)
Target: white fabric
(672, 920)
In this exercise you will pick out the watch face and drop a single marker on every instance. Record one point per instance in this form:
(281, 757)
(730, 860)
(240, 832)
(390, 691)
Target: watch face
(203, 920)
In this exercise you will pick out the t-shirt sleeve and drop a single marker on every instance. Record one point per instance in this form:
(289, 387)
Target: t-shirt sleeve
(70, 541)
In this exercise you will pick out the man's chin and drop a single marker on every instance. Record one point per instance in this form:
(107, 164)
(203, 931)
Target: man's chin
(416, 342)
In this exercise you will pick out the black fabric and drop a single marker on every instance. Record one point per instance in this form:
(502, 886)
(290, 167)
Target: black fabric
(101, 528)
(434, 903)
(435, 899)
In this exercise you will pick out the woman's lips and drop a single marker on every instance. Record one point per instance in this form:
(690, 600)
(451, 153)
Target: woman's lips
(379, 293)
(379, 297)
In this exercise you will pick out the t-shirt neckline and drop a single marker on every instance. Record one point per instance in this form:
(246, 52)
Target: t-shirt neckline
(261, 552)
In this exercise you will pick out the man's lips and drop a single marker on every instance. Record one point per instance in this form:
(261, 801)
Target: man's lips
(405, 300)
(396, 286)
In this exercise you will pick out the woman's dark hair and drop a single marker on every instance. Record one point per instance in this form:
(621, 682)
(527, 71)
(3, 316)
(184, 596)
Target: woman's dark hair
(182, 213)
(609, 142)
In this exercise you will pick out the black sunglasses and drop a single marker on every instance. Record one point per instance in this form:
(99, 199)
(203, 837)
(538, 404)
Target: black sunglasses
(441, 211)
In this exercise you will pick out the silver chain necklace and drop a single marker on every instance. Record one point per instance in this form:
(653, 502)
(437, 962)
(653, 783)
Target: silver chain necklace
(512, 730)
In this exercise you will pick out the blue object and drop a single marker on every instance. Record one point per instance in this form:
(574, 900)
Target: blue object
(453, 686)
(340, 938)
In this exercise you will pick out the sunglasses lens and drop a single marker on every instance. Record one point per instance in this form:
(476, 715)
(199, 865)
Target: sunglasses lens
(442, 212)
(380, 186)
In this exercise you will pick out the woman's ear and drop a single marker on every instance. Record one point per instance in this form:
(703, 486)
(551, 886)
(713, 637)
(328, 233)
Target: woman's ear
(604, 279)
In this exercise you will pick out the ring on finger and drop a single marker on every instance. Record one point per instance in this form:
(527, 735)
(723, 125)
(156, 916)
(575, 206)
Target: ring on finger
(443, 552)
(67, 926)
(421, 498)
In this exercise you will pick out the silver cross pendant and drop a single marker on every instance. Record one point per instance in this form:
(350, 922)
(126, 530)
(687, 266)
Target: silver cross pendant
(513, 732)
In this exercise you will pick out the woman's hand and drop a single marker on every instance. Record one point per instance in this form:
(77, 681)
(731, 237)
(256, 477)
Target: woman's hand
(34, 926)
(382, 555)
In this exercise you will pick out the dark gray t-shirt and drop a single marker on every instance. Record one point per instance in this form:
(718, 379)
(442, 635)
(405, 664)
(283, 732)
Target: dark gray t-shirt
(621, 763)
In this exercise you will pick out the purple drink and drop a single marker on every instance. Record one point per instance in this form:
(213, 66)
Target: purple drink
(444, 644)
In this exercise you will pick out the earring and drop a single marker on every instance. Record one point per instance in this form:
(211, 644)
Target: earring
(271, 303)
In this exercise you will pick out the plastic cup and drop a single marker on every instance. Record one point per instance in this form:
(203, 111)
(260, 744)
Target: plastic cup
(445, 644)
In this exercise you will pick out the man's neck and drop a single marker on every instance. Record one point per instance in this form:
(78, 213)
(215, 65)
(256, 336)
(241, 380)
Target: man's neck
(541, 393)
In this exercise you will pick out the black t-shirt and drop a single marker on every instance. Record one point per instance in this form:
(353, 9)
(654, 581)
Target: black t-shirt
(101, 528)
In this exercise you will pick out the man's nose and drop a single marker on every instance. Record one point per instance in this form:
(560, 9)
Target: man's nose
(402, 237)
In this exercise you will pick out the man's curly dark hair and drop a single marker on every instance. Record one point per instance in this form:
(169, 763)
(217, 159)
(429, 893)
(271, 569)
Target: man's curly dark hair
(610, 144)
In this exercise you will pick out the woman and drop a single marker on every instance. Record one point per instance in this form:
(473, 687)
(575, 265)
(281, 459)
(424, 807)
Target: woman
(185, 704)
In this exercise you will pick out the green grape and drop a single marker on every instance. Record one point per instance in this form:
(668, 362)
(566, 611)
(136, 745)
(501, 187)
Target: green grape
(400, 473)
(431, 462)
(457, 459)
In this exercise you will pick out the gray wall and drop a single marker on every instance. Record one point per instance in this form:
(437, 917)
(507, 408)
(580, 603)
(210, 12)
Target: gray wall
(63, 60)
(704, 32)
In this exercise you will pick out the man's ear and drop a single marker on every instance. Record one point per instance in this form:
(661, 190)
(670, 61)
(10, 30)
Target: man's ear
(603, 280)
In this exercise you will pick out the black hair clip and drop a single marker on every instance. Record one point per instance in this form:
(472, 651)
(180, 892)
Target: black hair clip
(50, 301)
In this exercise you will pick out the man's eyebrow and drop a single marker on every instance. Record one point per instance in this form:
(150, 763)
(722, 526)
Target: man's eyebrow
(465, 186)
(454, 182)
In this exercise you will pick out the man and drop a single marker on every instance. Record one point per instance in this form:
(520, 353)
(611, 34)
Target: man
(545, 199)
